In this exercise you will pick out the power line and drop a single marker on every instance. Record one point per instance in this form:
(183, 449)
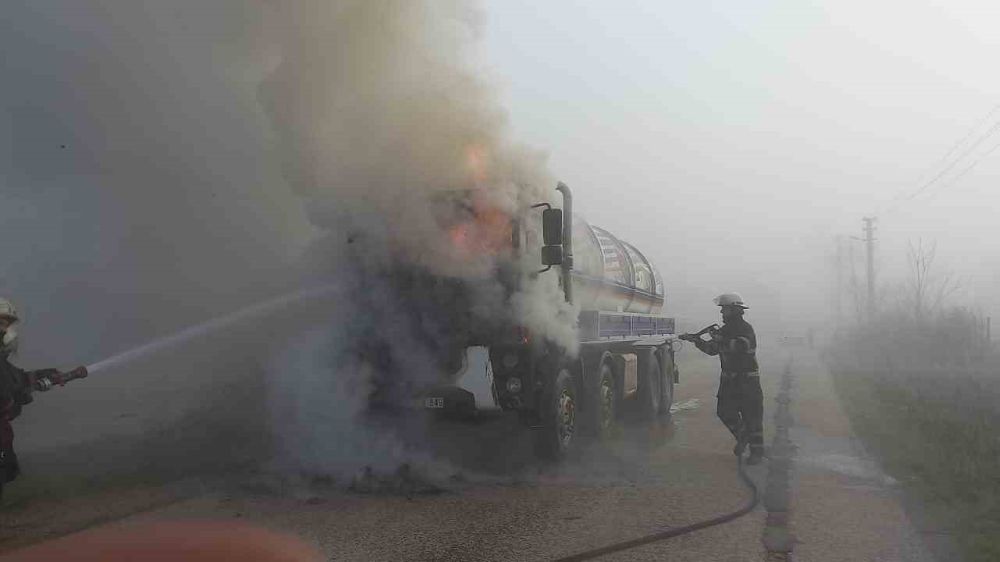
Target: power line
(967, 169)
(992, 130)
(869, 241)
(899, 198)
(970, 133)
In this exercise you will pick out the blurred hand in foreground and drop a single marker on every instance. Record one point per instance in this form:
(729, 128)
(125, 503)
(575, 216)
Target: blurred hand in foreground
(205, 541)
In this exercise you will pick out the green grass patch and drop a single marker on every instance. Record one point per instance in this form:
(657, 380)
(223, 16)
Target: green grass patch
(938, 432)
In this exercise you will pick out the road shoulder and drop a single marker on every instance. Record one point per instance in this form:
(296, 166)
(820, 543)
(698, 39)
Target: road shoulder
(845, 508)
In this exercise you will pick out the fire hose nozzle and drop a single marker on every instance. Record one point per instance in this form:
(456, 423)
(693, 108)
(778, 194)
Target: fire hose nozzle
(46, 382)
(709, 330)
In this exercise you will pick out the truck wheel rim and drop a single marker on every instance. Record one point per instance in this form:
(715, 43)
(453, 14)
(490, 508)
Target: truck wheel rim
(607, 404)
(567, 417)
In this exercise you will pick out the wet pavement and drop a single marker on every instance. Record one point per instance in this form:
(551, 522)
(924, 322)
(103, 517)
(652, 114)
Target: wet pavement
(486, 498)
(844, 506)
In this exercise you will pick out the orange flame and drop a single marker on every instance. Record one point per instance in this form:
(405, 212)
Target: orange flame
(477, 162)
(488, 231)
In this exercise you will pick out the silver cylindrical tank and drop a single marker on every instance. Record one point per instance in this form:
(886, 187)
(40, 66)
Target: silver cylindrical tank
(612, 275)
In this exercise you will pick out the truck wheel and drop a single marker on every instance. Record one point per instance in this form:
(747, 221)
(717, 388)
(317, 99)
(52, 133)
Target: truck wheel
(666, 387)
(606, 403)
(650, 389)
(557, 436)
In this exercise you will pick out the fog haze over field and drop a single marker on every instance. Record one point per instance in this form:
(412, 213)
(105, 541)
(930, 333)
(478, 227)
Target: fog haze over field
(278, 232)
(734, 141)
(732, 144)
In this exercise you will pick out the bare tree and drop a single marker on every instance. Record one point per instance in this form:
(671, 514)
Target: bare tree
(927, 289)
(856, 289)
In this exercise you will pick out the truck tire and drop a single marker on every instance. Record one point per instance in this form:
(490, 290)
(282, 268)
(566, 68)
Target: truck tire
(557, 435)
(606, 403)
(667, 368)
(650, 389)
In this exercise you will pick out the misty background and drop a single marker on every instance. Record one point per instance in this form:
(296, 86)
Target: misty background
(161, 164)
(138, 195)
(732, 142)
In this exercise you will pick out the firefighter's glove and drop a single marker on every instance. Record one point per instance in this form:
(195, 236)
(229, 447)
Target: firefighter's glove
(42, 380)
(62, 378)
(77, 373)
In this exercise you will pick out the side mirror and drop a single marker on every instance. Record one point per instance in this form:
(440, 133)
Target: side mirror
(552, 228)
(552, 255)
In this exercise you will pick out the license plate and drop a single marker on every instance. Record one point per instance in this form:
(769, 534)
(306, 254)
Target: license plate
(435, 403)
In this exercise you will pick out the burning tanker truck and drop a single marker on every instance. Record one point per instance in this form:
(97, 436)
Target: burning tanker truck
(622, 361)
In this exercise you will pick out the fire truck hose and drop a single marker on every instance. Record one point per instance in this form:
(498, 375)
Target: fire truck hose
(676, 531)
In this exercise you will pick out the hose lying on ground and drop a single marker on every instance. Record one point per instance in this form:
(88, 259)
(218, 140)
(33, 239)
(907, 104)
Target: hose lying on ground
(677, 531)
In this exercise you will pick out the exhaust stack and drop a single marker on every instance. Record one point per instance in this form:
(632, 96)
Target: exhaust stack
(567, 263)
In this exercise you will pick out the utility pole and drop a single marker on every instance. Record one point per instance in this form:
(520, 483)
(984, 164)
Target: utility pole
(869, 239)
(839, 296)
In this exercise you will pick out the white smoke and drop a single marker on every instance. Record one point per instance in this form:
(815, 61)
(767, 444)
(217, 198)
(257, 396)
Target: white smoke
(379, 109)
(155, 158)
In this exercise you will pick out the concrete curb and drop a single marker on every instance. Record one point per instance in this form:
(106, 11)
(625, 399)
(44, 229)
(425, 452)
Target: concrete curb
(777, 537)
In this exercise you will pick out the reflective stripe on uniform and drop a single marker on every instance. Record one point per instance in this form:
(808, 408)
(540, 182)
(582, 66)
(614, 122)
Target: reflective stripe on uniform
(736, 374)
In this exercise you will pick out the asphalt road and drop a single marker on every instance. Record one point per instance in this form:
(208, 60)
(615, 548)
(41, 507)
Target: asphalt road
(480, 494)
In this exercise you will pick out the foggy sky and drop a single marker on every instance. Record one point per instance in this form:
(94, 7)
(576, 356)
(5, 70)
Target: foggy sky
(733, 141)
(729, 142)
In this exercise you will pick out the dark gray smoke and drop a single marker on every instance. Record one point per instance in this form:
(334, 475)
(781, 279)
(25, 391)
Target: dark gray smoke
(137, 191)
(380, 110)
(163, 163)
(139, 196)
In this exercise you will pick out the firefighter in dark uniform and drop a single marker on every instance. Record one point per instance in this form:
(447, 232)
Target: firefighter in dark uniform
(16, 386)
(741, 401)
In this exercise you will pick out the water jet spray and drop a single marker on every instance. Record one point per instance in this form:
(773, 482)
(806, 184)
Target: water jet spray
(252, 312)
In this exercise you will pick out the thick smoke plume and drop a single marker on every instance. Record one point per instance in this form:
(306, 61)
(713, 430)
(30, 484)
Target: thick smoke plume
(137, 196)
(382, 119)
(162, 163)
(378, 112)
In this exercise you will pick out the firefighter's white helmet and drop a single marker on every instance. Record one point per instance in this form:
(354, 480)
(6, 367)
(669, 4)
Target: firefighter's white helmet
(8, 311)
(730, 299)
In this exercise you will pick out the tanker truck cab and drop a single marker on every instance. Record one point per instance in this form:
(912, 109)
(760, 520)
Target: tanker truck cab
(624, 366)
(622, 362)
